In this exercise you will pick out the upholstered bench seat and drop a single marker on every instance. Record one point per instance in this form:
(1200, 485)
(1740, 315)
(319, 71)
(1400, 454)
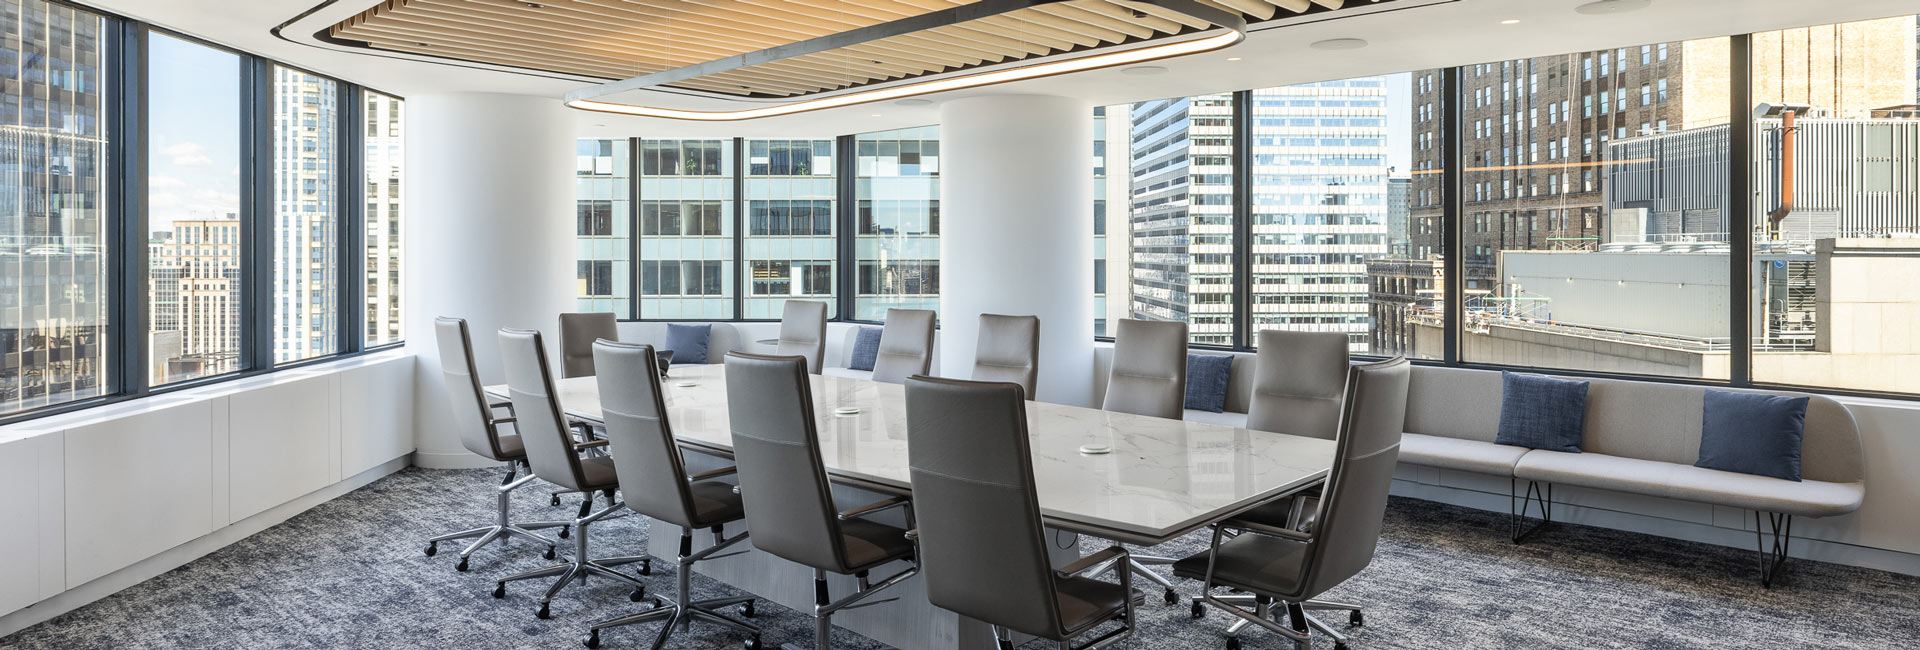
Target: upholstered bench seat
(1460, 454)
(1223, 418)
(1806, 498)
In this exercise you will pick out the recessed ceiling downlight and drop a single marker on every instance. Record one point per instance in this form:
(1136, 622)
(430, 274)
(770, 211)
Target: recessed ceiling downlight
(1144, 70)
(1604, 7)
(1339, 44)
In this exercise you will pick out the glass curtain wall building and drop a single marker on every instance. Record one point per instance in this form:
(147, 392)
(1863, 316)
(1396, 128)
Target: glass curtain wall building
(687, 226)
(54, 299)
(603, 225)
(1180, 223)
(791, 247)
(897, 241)
(306, 229)
(384, 142)
(194, 244)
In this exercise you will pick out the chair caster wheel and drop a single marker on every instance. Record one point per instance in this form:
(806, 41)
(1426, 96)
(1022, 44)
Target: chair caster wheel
(1356, 620)
(646, 567)
(500, 590)
(544, 612)
(565, 531)
(1233, 643)
(433, 548)
(753, 643)
(462, 566)
(746, 609)
(592, 640)
(550, 554)
(1172, 597)
(638, 594)
(555, 501)
(1199, 610)
(1340, 645)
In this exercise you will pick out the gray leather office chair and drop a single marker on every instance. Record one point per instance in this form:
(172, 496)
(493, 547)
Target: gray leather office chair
(478, 423)
(556, 458)
(1008, 350)
(803, 332)
(981, 541)
(789, 502)
(655, 483)
(1290, 567)
(906, 345)
(577, 334)
(1149, 375)
(1299, 380)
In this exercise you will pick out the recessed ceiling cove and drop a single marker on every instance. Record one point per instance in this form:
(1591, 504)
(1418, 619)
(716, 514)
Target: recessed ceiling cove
(792, 49)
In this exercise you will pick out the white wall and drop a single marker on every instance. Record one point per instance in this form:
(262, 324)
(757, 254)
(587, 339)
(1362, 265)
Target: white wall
(1016, 196)
(103, 498)
(489, 231)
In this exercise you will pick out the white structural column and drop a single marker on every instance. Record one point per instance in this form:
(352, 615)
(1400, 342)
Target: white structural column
(1016, 231)
(489, 237)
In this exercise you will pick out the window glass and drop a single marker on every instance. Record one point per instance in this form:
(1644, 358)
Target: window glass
(1107, 145)
(686, 221)
(385, 156)
(53, 202)
(790, 239)
(306, 276)
(1333, 224)
(1613, 259)
(1836, 211)
(1179, 222)
(604, 219)
(897, 239)
(193, 211)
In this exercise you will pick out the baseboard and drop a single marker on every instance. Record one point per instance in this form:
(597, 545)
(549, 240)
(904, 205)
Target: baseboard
(173, 558)
(455, 460)
(1818, 550)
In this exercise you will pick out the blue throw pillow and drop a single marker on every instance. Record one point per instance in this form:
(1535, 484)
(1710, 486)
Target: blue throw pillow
(688, 342)
(866, 347)
(1207, 381)
(1752, 433)
(1539, 412)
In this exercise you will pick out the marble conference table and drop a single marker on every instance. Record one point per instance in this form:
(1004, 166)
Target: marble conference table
(1162, 479)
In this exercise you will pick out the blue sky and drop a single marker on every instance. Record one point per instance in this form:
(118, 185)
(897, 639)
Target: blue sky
(193, 150)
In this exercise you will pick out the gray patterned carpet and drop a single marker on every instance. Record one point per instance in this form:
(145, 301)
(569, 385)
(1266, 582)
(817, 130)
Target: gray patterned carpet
(350, 574)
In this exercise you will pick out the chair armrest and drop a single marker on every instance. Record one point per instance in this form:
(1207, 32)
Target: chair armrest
(877, 506)
(590, 444)
(1270, 531)
(506, 420)
(501, 405)
(1099, 558)
(713, 474)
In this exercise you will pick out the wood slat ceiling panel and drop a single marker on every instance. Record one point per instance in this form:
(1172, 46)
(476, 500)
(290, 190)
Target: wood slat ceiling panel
(618, 39)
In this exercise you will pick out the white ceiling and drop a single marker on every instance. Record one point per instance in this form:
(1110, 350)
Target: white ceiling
(1425, 34)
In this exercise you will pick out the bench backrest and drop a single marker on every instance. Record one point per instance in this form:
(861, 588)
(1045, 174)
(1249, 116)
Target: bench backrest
(1630, 419)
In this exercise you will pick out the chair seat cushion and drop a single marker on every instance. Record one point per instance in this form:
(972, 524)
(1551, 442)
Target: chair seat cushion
(1086, 602)
(1459, 454)
(1262, 564)
(1689, 483)
(870, 544)
(1223, 418)
(512, 448)
(599, 473)
(714, 503)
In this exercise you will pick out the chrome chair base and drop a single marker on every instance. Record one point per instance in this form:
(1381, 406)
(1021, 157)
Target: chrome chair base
(1301, 626)
(682, 614)
(502, 529)
(823, 610)
(1139, 564)
(580, 565)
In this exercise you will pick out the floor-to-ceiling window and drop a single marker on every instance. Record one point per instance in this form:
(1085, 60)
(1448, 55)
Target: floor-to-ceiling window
(897, 241)
(1835, 238)
(305, 225)
(686, 217)
(790, 247)
(385, 153)
(603, 219)
(194, 237)
(53, 201)
(1179, 226)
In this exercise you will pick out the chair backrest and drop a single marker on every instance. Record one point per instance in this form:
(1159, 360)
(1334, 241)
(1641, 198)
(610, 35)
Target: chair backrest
(577, 334)
(536, 409)
(1354, 502)
(783, 483)
(906, 345)
(1008, 350)
(1298, 381)
(983, 550)
(653, 476)
(803, 332)
(1149, 375)
(472, 417)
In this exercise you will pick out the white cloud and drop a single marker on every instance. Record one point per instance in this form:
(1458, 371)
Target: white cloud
(187, 154)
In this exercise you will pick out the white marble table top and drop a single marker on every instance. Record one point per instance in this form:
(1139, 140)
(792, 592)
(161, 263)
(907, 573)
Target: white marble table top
(1163, 478)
